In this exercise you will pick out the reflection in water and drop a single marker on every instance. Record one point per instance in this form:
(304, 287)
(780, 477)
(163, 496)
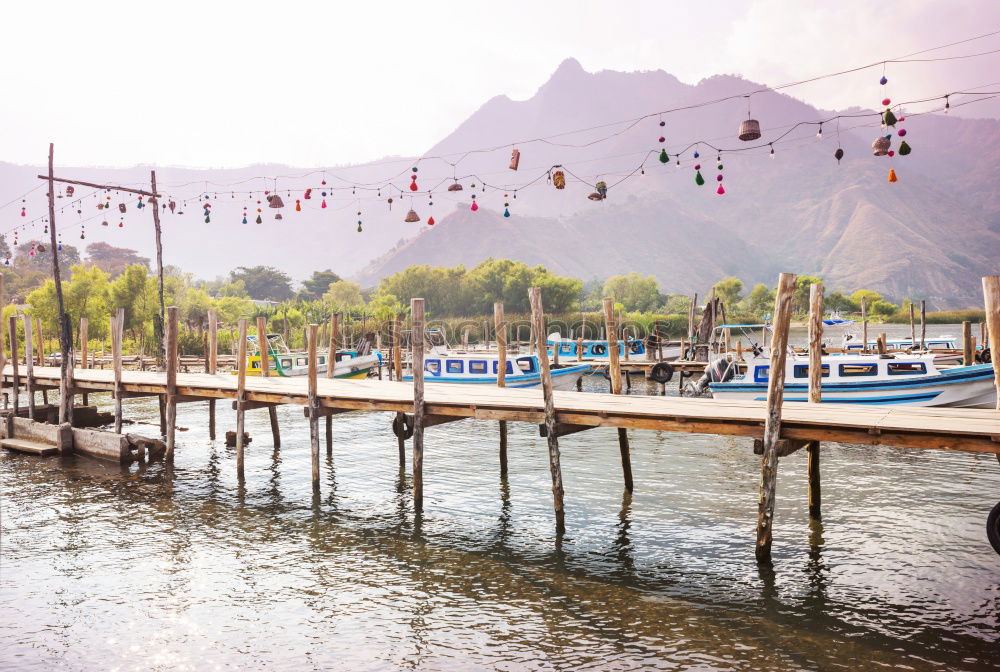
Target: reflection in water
(108, 567)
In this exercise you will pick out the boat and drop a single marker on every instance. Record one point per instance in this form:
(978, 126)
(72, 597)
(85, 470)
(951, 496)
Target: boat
(597, 349)
(901, 379)
(287, 363)
(445, 365)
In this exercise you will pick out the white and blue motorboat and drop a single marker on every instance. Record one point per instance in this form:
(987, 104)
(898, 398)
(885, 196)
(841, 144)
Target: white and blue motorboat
(912, 380)
(597, 349)
(441, 366)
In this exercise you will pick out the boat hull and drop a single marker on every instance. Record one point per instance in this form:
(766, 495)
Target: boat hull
(964, 387)
(562, 378)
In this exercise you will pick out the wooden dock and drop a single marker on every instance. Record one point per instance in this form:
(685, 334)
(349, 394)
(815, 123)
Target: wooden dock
(975, 430)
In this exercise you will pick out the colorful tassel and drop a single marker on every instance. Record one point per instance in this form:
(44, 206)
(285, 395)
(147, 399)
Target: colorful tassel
(430, 221)
(720, 190)
(298, 206)
(323, 204)
(698, 179)
(474, 207)
(904, 148)
(892, 176)
(889, 118)
(259, 220)
(664, 157)
(413, 183)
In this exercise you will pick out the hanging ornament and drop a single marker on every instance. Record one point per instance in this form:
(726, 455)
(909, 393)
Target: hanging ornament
(389, 201)
(140, 204)
(515, 159)
(100, 206)
(506, 211)
(259, 220)
(298, 206)
(749, 130)
(412, 216)
(172, 205)
(886, 101)
(244, 218)
(888, 118)
(892, 175)
(698, 179)
(881, 145)
(278, 217)
(308, 194)
(455, 187)
(664, 157)
(104, 223)
(594, 196)
(720, 191)
(323, 182)
(602, 189)
(696, 154)
(883, 81)
(839, 154)
(559, 179)
(23, 213)
(70, 190)
(430, 221)
(121, 224)
(474, 206)
(274, 201)
(891, 153)
(678, 160)
(323, 204)
(904, 148)
(413, 183)
(662, 139)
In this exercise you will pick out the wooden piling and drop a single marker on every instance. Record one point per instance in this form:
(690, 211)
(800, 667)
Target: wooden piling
(29, 363)
(397, 369)
(241, 387)
(212, 368)
(864, 326)
(331, 365)
(923, 324)
(967, 350)
(991, 295)
(40, 353)
(772, 424)
(313, 401)
(172, 327)
(13, 363)
(615, 371)
(265, 370)
(815, 390)
(881, 343)
(500, 328)
(417, 360)
(537, 320)
(116, 359)
(913, 328)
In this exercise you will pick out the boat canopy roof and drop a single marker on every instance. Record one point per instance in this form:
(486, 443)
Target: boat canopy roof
(742, 326)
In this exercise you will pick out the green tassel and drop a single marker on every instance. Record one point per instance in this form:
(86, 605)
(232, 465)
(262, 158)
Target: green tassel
(889, 118)
(208, 219)
(904, 148)
(664, 157)
(698, 179)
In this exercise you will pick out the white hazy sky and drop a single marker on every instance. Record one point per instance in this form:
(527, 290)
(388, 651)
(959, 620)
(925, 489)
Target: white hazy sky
(221, 84)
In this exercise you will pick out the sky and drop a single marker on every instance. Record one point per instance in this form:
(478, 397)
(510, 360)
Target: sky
(227, 84)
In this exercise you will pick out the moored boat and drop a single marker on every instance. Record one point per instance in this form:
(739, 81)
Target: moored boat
(287, 363)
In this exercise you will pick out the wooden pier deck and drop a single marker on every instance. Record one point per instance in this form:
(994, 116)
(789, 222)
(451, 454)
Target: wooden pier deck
(975, 430)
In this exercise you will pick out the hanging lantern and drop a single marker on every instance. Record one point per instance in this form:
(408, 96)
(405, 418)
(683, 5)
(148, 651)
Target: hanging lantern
(664, 157)
(749, 130)
(274, 201)
(839, 154)
(515, 159)
(412, 216)
(881, 145)
(430, 221)
(455, 187)
(602, 189)
(892, 176)
(559, 179)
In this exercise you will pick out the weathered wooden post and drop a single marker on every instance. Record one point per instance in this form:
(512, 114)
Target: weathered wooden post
(313, 400)
(913, 328)
(537, 319)
(772, 424)
(991, 294)
(417, 362)
(815, 388)
(397, 368)
(241, 395)
(880, 343)
(213, 363)
(84, 363)
(967, 357)
(616, 388)
(13, 363)
(172, 327)
(501, 334)
(116, 363)
(923, 323)
(331, 365)
(864, 326)
(40, 354)
(29, 364)
(265, 370)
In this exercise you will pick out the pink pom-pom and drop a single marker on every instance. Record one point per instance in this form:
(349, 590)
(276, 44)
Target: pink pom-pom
(886, 101)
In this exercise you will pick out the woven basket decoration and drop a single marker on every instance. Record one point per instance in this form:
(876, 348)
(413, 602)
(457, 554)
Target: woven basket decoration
(881, 146)
(412, 216)
(749, 130)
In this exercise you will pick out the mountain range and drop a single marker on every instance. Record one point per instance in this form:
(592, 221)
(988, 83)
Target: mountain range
(930, 235)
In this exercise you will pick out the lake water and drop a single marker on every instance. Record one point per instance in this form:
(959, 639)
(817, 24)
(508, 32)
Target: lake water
(110, 569)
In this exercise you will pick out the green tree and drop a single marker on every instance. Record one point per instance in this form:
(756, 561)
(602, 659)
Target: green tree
(838, 302)
(316, 286)
(232, 309)
(343, 294)
(85, 294)
(264, 282)
(634, 291)
(729, 290)
(869, 295)
(113, 260)
(136, 292)
(800, 299)
(760, 301)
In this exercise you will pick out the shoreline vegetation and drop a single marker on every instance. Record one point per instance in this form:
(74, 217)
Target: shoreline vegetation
(459, 300)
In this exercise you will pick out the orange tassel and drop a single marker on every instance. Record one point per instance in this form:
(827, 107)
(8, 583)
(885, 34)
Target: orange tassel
(298, 207)
(892, 176)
